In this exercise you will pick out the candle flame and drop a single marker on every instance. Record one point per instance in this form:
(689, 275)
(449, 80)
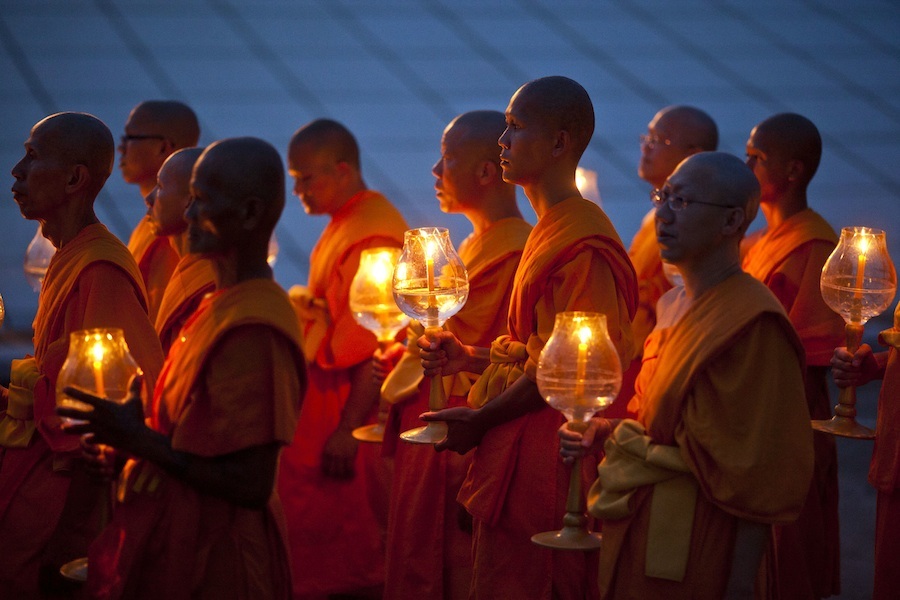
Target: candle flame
(382, 268)
(585, 333)
(863, 244)
(97, 351)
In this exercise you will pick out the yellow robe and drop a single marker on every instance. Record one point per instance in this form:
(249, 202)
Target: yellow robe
(517, 486)
(192, 280)
(723, 383)
(156, 258)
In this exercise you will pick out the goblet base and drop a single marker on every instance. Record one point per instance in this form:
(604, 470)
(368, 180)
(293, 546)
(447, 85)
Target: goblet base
(373, 434)
(844, 427)
(568, 538)
(75, 570)
(430, 434)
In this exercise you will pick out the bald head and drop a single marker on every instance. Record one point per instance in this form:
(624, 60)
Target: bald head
(330, 138)
(690, 127)
(477, 132)
(562, 104)
(244, 170)
(724, 179)
(173, 120)
(673, 134)
(171, 196)
(787, 137)
(79, 139)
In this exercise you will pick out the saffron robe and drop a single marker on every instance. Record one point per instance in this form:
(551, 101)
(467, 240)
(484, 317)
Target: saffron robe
(335, 539)
(429, 544)
(722, 381)
(233, 380)
(156, 258)
(517, 486)
(192, 279)
(884, 470)
(789, 260)
(92, 281)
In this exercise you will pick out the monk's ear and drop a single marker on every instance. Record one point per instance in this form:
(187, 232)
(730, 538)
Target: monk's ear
(252, 212)
(734, 220)
(562, 142)
(488, 171)
(796, 170)
(79, 179)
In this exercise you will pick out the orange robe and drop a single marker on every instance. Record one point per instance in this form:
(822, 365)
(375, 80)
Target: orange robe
(789, 260)
(232, 381)
(335, 539)
(192, 280)
(156, 258)
(652, 284)
(429, 543)
(92, 281)
(884, 471)
(722, 382)
(517, 486)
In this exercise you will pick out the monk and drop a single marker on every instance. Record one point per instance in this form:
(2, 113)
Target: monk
(197, 515)
(884, 471)
(194, 276)
(47, 500)
(153, 131)
(429, 538)
(573, 260)
(788, 255)
(722, 448)
(337, 544)
(674, 133)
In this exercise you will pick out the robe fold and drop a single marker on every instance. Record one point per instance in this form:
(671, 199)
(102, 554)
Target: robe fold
(335, 538)
(429, 541)
(232, 381)
(722, 382)
(192, 279)
(156, 258)
(884, 470)
(92, 281)
(789, 260)
(517, 486)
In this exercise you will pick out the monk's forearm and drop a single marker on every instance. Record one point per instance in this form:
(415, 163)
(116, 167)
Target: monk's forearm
(244, 477)
(519, 399)
(364, 392)
(477, 359)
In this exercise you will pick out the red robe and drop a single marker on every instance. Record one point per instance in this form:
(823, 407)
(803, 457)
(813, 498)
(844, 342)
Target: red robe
(156, 258)
(232, 381)
(789, 260)
(429, 543)
(722, 382)
(92, 281)
(517, 486)
(335, 539)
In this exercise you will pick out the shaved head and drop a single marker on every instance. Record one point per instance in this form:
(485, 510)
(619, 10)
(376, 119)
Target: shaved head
(690, 127)
(789, 136)
(170, 119)
(79, 139)
(330, 138)
(477, 132)
(563, 104)
(725, 179)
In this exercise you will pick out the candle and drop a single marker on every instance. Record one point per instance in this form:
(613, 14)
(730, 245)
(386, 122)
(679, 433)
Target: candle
(863, 246)
(97, 351)
(581, 363)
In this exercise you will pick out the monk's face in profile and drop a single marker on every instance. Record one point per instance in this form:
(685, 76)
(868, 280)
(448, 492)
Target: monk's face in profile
(41, 175)
(662, 148)
(317, 178)
(169, 199)
(527, 143)
(212, 215)
(768, 167)
(143, 148)
(456, 171)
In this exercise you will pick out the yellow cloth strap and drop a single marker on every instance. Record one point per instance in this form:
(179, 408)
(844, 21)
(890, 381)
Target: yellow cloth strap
(17, 424)
(891, 337)
(508, 358)
(314, 319)
(633, 460)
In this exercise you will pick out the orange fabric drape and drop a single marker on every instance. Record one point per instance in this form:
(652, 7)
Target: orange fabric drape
(192, 279)
(156, 258)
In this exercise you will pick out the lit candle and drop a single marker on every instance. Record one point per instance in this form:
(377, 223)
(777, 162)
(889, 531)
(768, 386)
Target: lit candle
(863, 246)
(581, 364)
(97, 351)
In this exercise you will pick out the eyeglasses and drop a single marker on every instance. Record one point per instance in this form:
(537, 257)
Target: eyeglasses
(135, 137)
(653, 140)
(677, 203)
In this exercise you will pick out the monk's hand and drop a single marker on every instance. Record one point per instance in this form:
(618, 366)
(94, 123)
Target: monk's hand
(99, 460)
(384, 362)
(339, 454)
(442, 353)
(575, 444)
(109, 422)
(464, 431)
(854, 369)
